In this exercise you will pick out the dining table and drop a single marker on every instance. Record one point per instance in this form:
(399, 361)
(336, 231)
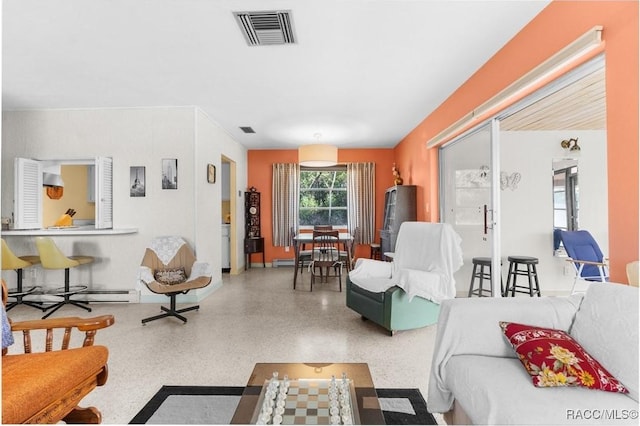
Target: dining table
(302, 238)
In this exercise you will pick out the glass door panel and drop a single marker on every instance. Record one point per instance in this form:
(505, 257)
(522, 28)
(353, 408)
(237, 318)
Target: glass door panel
(467, 197)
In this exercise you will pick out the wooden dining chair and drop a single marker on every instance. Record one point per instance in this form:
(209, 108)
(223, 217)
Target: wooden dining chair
(325, 257)
(304, 256)
(347, 255)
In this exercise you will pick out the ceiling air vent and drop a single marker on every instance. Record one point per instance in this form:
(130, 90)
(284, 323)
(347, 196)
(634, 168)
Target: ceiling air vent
(265, 28)
(247, 129)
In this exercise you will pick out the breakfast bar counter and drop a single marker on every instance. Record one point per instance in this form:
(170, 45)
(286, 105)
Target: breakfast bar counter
(67, 231)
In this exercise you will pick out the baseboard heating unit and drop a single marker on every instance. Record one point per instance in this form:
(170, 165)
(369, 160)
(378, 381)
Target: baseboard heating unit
(277, 263)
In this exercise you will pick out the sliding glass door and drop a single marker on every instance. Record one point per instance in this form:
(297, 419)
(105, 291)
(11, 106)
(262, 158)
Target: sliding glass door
(469, 196)
(533, 134)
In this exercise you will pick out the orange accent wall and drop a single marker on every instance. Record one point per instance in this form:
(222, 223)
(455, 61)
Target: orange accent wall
(557, 25)
(260, 175)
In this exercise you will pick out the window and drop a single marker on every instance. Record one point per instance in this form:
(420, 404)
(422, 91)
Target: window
(323, 196)
(565, 199)
(28, 192)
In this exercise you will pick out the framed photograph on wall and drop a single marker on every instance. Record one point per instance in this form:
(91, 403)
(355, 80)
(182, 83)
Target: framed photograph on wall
(170, 173)
(136, 181)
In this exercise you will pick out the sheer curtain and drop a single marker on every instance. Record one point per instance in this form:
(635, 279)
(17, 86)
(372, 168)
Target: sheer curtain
(286, 197)
(361, 201)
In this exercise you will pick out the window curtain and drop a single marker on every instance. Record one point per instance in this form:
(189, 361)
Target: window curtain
(361, 201)
(286, 198)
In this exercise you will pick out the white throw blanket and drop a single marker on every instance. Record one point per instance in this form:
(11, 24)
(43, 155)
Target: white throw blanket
(426, 257)
(166, 247)
(200, 269)
(469, 326)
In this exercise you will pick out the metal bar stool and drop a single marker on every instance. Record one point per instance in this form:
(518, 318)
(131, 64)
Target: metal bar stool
(52, 258)
(12, 262)
(482, 262)
(530, 271)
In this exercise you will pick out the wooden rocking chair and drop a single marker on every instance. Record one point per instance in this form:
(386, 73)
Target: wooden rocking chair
(47, 387)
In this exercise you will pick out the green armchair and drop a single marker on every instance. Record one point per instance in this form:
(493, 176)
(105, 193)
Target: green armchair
(392, 309)
(406, 293)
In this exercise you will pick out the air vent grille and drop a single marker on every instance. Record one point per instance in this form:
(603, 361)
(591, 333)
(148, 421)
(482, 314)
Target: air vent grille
(247, 129)
(266, 28)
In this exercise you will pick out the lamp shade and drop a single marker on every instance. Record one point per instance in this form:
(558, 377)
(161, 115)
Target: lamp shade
(52, 179)
(318, 155)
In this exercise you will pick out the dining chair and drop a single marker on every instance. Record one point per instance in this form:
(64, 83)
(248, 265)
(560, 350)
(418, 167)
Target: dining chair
(348, 254)
(303, 256)
(325, 256)
(633, 269)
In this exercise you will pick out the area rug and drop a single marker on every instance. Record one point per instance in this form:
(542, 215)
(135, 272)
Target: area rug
(216, 405)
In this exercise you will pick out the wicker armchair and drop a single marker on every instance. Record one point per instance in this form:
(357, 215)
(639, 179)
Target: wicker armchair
(47, 386)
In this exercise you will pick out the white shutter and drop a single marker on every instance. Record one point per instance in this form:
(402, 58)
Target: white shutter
(27, 204)
(104, 192)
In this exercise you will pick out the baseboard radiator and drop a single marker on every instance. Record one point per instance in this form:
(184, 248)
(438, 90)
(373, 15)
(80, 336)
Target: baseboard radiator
(277, 263)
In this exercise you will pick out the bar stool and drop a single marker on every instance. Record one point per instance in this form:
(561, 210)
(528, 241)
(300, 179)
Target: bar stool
(482, 262)
(52, 258)
(12, 262)
(375, 251)
(516, 263)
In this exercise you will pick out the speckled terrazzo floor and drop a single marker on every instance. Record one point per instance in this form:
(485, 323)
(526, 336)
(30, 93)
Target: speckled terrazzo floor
(254, 317)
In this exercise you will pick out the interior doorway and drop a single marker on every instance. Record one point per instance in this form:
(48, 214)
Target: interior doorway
(229, 216)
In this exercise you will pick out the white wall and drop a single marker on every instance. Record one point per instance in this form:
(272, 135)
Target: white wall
(527, 212)
(213, 143)
(132, 137)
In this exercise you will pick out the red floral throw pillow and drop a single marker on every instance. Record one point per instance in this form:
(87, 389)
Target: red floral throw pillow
(553, 358)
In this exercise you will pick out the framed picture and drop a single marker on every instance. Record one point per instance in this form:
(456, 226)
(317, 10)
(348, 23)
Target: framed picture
(136, 181)
(211, 173)
(170, 173)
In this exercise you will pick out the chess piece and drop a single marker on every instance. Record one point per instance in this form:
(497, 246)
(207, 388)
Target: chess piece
(397, 180)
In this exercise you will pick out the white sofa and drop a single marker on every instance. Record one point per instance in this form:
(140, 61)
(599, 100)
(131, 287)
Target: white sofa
(477, 378)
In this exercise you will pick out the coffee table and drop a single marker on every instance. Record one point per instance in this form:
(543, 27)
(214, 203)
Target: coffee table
(368, 405)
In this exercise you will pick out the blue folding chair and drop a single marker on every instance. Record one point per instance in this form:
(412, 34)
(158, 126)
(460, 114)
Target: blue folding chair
(585, 255)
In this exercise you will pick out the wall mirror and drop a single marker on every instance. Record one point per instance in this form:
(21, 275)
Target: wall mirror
(565, 198)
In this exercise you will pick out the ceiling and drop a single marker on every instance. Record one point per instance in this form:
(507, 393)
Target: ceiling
(578, 106)
(362, 73)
